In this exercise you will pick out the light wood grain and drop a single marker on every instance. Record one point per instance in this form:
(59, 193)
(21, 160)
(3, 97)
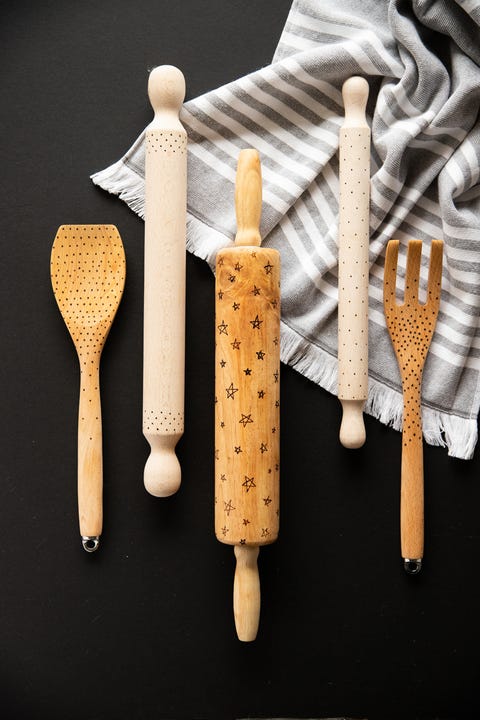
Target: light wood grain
(411, 326)
(164, 285)
(248, 198)
(247, 402)
(247, 410)
(353, 265)
(88, 277)
(246, 592)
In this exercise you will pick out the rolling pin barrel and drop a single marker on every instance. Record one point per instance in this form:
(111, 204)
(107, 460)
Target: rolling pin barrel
(247, 396)
(247, 403)
(353, 265)
(164, 289)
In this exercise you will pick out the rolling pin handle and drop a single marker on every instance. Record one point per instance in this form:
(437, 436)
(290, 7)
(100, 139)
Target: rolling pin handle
(248, 198)
(352, 428)
(166, 92)
(162, 474)
(355, 95)
(246, 592)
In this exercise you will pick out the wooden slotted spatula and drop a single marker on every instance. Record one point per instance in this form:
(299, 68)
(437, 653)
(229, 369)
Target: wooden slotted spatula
(411, 326)
(88, 275)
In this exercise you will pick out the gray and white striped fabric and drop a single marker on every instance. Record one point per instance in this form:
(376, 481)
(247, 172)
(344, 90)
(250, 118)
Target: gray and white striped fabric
(424, 114)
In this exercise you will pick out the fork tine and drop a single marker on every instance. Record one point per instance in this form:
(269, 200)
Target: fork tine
(390, 274)
(412, 273)
(435, 275)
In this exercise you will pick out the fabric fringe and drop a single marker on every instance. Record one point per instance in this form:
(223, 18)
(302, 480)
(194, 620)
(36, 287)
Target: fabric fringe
(119, 179)
(309, 360)
(459, 435)
(385, 404)
(204, 241)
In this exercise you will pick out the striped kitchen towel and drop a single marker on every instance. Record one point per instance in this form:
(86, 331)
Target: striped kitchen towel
(421, 59)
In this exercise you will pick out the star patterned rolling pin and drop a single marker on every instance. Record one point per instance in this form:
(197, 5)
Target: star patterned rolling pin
(353, 268)
(164, 291)
(247, 402)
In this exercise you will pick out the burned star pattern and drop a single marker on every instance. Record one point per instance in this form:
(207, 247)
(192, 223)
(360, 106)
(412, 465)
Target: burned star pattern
(248, 483)
(222, 328)
(248, 393)
(230, 390)
(228, 507)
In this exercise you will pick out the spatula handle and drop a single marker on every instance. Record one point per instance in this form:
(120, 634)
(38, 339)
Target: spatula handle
(164, 290)
(353, 267)
(90, 463)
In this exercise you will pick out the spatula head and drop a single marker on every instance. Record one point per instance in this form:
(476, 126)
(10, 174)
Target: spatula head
(88, 276)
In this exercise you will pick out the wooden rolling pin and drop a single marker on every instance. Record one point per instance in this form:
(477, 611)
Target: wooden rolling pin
(247, 403)
(164, 291)
(353, 266)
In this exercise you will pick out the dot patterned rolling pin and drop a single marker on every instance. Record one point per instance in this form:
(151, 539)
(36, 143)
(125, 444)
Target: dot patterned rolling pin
(353, 267)
(411, 326)
(87, 270)
(164, 287)
(247, 402)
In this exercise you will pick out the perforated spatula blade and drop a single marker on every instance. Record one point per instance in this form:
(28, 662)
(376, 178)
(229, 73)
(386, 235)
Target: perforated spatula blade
(88, 275)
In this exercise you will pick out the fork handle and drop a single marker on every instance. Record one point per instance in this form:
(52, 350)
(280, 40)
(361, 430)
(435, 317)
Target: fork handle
(412, 492)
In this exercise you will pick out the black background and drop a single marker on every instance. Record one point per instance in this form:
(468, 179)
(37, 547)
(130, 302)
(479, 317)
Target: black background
(144, 627)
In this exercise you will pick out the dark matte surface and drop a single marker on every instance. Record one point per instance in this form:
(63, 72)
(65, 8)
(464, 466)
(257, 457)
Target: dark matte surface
(144, 628)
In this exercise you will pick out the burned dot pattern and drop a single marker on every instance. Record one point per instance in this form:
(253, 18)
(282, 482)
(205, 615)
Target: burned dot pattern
(166, 142)
(353, 263)
(247, 396)
(87, 270)
(163, 421)
(411, 325)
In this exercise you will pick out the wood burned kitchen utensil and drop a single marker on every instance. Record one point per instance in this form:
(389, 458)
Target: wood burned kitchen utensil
(164, 280)
(411, 326)
(247, 387)
(353, 266)
(88, 275)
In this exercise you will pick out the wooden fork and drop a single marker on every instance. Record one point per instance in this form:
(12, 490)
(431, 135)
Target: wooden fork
(411, 327)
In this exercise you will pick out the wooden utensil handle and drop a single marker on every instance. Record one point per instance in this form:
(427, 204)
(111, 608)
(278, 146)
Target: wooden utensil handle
(412, 484)
(248, 198)
(246, 592)
(353, 266)
(164, 291)
(90, 463)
